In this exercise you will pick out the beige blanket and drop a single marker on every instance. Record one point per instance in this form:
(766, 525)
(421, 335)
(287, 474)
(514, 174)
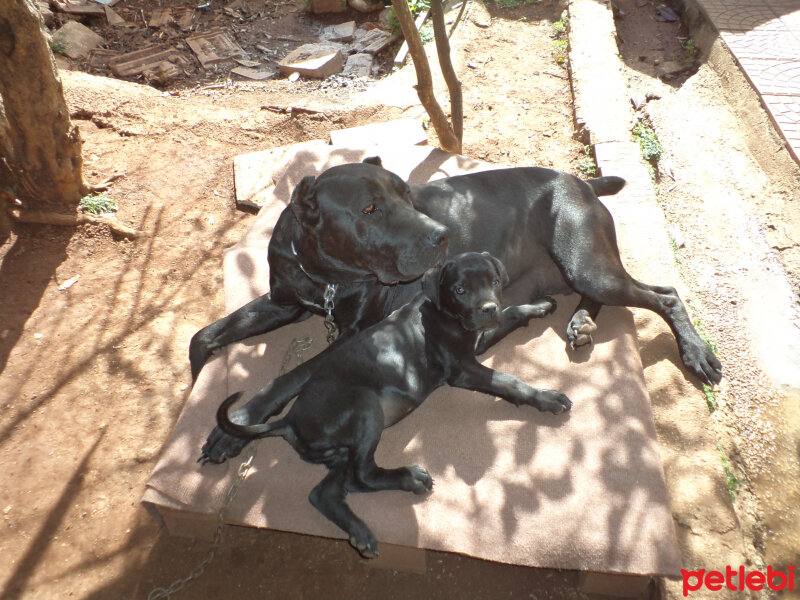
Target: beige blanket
(583, 490)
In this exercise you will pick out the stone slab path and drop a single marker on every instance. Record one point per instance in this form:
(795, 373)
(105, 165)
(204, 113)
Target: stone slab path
(764, 37)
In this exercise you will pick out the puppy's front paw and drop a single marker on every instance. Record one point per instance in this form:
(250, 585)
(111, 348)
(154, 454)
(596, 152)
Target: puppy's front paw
(362, 539)
(552, 401)
(418, 481)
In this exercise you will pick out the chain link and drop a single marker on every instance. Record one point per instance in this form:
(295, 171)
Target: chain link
(330, 325)
(296, 349)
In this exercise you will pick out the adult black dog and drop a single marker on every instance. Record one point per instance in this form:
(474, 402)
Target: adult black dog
(377, 377)
(350, 235)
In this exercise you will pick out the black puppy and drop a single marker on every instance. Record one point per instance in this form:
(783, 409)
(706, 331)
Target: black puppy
(377, 377)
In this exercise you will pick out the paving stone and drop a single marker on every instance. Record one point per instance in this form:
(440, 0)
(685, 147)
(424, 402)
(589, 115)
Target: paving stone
(78, 7)
(114, 19)
(162, 61)
(314, 60)
(343, 32)
(160, 17)
(373, 42)
(327, 6)
(79, 39)
(255, 73)
(359, 65)
(400, 132)
(214, 47)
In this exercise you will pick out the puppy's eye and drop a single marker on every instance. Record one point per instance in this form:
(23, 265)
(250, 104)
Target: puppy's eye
(369, 209)
(495, 282)
(460, 290)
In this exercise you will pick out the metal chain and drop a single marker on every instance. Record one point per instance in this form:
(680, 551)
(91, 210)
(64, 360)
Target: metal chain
(296, 349)
(330, 325)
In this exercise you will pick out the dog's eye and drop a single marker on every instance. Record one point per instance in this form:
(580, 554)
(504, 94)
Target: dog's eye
(495, 282)
(460, 290)
(369, 209)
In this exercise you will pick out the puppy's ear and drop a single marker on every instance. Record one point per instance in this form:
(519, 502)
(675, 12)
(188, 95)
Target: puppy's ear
(499, 267)
(373, 160)
(304, 201)
(430, 285)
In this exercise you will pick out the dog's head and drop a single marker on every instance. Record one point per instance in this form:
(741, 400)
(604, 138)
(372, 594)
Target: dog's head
(469, 288)
(360, 215)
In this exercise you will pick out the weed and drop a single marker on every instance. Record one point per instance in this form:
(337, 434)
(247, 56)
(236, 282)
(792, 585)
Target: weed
(689, 47)
(587, 166)
(426, 33)
(509, 3)
(560, 51)
(98, 203)
(58, 45)
(648, 143)
(675, 249)
(560, 27)
(416, 7)
(731, 479)
(711, 397)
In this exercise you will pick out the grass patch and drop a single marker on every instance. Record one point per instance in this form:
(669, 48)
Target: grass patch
(98, 203)
(711, 397)
(58, 44)
(731, 479)
(586, 165)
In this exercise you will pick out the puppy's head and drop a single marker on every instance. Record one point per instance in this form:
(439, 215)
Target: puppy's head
(469, 288)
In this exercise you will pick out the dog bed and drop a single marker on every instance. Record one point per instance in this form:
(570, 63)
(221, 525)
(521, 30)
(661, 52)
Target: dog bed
(584, 490)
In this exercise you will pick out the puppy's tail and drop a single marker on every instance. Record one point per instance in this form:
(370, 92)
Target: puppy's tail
(606, 186)
(276, 428)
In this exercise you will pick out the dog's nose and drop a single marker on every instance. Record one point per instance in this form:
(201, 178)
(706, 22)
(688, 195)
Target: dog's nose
(438, 237)
(490, 308)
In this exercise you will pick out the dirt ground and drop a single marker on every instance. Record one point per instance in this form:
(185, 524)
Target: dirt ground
(94, 377)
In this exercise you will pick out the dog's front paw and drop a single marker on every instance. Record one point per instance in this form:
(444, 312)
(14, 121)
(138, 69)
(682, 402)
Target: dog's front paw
(551, 401)
(580, 329)
(418, 480)
(362, 539)
(220, 446)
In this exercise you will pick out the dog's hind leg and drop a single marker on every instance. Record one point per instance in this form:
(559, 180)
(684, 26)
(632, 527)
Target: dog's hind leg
(254, 318)
(328, 497)
(621, 289)
(267, 403)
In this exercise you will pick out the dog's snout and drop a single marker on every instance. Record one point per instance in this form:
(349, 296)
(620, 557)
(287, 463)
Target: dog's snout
(489, 308)
(438, 237)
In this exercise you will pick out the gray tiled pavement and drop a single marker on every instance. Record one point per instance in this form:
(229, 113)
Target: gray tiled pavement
(764, 37)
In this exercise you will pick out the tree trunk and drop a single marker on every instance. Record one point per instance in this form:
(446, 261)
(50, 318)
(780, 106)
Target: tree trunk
(447, 137)
(39, 145)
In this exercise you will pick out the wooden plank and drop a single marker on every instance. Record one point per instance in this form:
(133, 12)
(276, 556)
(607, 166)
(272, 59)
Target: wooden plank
(402, 54)
(611, 584)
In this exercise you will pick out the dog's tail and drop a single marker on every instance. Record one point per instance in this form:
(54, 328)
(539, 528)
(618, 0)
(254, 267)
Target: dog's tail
(606, 186)
(276, 428)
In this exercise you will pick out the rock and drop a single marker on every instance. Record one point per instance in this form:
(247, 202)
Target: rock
(365, 6)
(343, 32)
(314, 60)
(326, 6)
(373, 42)
(78, 39)
(359, 65)
(47, 14)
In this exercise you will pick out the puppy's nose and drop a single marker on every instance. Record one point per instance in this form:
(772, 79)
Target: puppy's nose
(490, 308)
(438, 237)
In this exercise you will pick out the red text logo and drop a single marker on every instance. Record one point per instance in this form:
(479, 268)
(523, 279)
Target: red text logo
(737, 579)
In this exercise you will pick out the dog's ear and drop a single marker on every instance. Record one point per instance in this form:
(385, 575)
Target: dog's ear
(500, 268)
(304, 201)
(430, 285)
(373, 160)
